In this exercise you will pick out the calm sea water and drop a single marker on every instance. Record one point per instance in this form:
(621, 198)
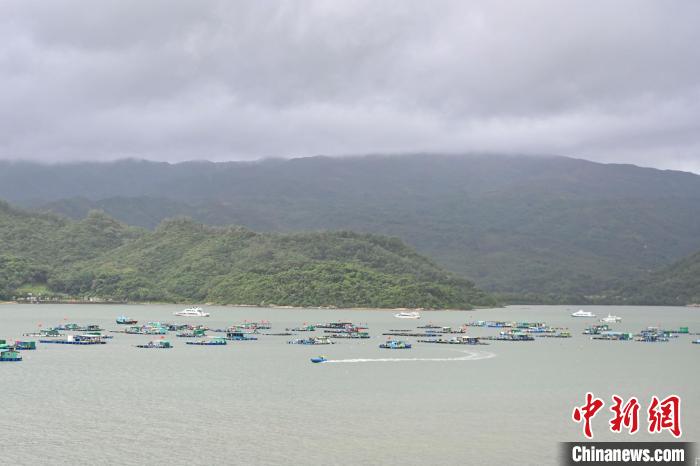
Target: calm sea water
(263, 402)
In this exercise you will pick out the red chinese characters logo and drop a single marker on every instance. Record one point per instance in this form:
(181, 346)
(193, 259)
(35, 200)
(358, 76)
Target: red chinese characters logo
(625, 416)
(665, 415)
(661, 415)
(587, 412)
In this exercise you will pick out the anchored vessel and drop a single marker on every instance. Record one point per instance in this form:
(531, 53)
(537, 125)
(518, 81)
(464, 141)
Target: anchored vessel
(582, 313)
(24, 345)
(10, 355)
(407, 315)
(192, 312)
(611, 319)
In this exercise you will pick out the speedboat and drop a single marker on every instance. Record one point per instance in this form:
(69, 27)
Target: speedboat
(192, 312)
(319, 359)
(582, 313)
(407, 315)
(611, 318)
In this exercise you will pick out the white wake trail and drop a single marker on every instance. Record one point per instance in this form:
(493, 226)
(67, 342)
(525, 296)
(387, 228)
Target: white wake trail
(469, 356)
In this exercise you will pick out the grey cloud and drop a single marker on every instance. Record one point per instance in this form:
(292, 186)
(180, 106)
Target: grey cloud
(176, 80)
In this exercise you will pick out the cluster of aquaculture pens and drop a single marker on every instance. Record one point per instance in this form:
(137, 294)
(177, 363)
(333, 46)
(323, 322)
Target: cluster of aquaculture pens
(318, 334)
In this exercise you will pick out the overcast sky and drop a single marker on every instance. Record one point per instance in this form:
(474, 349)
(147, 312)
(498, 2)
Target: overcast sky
(226, 80)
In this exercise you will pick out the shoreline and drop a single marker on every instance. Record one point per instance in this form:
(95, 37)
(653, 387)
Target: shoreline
(269, 306)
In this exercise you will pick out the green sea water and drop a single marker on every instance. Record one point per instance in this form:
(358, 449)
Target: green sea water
(263, 402)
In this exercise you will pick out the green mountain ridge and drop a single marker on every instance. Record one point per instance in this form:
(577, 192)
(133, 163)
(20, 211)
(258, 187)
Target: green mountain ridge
(183, 261)
(678, 284)
(547, 229)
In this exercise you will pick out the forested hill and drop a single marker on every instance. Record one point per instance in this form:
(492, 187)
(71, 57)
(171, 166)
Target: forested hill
(33, 245)
(188, 262)
(678, 284)
(543, 228)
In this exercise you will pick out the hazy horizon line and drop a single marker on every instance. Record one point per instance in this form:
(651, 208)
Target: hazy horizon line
(326, 156)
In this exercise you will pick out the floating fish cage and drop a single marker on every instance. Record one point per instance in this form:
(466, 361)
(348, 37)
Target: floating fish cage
(239, 336)
(311, 341)
(512, 337)
(77, 340)
(351, 335)
(455, 341)
(333, 325)
(159, 344)
(217, 341)
(196, 333)
(395, 344)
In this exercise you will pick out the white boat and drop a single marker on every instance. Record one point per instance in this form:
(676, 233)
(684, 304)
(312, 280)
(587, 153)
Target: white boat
(582, 313)
(407, 315)
(611, 318)
(192, 312)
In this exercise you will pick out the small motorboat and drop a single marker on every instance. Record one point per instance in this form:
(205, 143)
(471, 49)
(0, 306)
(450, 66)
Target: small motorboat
(407, 315)
(318, 359)
(611, 319)
(696, 342)
(582, 313)
(395, 344)
(123, 320)
(192, 312)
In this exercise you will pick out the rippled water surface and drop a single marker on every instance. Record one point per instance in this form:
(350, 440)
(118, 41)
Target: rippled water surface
(263, 402)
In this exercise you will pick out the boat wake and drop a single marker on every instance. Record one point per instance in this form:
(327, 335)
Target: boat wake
(469, 356)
